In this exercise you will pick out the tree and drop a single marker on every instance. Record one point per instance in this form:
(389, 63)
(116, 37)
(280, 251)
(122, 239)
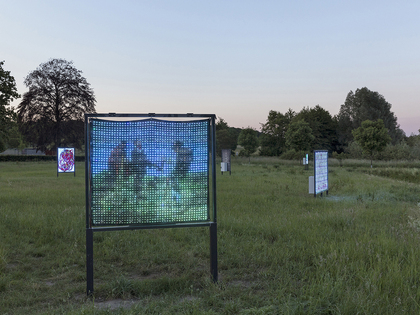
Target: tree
(365, 105)
(324, 127)
(299, 136)
(226, 137)
(272, 139)
(8, 93)
(52, 111)
(413, 139)
(372, 137)
(249, 140)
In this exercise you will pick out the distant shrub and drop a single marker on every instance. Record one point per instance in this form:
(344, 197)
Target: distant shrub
(34, 158)
(354, 150)
(293, 155)
(399, 151)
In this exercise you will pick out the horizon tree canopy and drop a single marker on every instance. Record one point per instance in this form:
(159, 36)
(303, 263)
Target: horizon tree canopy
(361, 105)
(58, 95)
(8, 92)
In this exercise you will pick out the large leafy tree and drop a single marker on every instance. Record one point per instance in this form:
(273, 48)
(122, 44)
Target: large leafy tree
(226, 137)
(362, 105)
(272, 138)
(324, 127)
(372, 136)
(249, 140)
(51, 112)
(8, 92)
(299, 136)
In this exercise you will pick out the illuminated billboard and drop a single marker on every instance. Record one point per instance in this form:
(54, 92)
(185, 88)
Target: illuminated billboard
(65, 160)
(148, 171)
(320, 171)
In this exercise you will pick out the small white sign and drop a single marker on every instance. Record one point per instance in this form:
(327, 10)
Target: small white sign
(321, 171)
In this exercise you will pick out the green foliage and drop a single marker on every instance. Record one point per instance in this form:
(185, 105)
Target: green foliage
(372, 136)
(31, 158)
(411, 175)
(339, 156)
(400, 151)
(413, 139)
(272, 139)
(248, 140)
(226, 137)
(299, 136)
(323, 126)
(2, 145)
(8, 93)
(362, 105)
(15, 137)
(354, 150)
(51, 113)
(292, 154)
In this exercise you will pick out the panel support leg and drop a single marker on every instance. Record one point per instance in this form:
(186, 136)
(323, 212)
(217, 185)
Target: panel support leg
(213, 251)
(89, 261)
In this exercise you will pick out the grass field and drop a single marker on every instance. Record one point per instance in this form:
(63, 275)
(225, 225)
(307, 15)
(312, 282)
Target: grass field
(281, 251)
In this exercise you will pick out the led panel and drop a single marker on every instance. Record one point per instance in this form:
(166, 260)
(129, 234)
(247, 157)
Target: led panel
(65, 160)
(148, 171)
(321, 171)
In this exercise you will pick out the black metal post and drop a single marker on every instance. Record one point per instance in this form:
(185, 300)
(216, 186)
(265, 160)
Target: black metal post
(213, 225)
(89, 231)
(314, 175)
(213, 252)
(89, 262)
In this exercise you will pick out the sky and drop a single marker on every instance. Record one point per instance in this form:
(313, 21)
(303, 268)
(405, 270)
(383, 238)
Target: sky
(237, 59)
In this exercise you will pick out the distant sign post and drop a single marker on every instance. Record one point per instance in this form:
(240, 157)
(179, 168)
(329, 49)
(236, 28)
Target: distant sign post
(65, 161)
(306, 162)
(320, 172)
(226, 158)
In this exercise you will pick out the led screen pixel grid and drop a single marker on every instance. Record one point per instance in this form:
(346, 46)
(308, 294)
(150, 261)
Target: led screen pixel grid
(149, 171)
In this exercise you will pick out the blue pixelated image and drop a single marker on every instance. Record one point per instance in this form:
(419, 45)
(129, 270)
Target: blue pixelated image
(149, 171)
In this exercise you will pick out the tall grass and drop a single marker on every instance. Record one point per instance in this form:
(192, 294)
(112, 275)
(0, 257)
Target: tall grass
(281, 251)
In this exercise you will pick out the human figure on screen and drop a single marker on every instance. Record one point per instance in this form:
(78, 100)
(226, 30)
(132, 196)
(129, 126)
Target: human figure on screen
(117, 161)
(139, 164)
(184, 157)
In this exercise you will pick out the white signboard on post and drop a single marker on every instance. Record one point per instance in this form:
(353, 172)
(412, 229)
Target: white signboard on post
(320, 171)
(226, 157)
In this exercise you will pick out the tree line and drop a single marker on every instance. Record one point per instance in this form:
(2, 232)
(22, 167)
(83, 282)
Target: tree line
(364, 127)
(51, 113)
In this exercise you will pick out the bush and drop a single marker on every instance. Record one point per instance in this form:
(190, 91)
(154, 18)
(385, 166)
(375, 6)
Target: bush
(354, 150)
(33, 158)
(415, 152)
(399, 151)
(293, 155)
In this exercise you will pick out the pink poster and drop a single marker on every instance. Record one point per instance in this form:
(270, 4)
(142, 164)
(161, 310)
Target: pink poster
(65, 160)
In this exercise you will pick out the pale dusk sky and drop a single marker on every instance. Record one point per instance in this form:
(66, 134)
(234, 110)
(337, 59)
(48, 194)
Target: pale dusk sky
(235, 59)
